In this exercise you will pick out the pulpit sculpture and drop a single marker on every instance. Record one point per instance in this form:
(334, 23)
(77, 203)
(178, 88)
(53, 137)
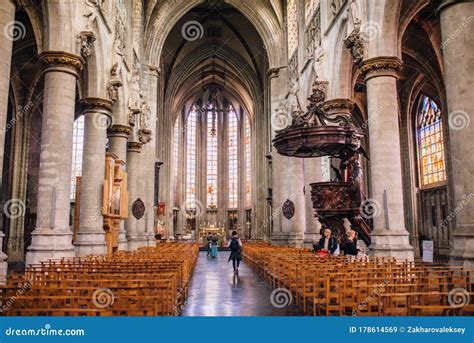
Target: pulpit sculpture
(317, 133)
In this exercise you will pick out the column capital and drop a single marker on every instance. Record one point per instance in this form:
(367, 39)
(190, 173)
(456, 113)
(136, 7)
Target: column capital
(381, 66)
(134, 146)
(95, 104)
(154, 70)
(338, 104)
(118, 130)
(62, 60)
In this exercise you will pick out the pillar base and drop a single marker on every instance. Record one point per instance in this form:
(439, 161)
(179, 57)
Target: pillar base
(295, 240)
(279, 238)
(90, 243)
(137, 241)
(151, 240)
(3, 262)
(48, 244)
(391, 243)
(122, 238)
(462, 253)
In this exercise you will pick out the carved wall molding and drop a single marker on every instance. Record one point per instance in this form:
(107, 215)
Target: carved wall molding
(62, 59)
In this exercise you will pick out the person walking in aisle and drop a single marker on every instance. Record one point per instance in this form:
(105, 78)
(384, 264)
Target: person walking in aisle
(235, 245)
(214, 243)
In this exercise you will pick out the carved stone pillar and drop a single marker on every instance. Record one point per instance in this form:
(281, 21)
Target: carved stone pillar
(91, 234)
(136, 236)
(52, 237)
(390, 237)
(312, 173)
(118, 136)
(457, 29)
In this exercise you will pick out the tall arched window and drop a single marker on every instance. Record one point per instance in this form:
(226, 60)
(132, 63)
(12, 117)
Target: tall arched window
(248, 163)
(77, 148)
(233, 160)
(191, 160)
(430, 140)
(176, 142)
(212, 158)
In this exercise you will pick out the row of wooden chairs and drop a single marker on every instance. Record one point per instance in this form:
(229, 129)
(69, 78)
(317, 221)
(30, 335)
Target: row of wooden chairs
(342, 285)
(148, 281)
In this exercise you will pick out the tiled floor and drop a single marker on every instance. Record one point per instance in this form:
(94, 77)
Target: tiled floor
(215, 291)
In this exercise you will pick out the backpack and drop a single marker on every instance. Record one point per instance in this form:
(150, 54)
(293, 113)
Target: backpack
(234, 245)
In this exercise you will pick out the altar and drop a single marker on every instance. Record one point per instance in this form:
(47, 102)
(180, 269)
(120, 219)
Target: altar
(211, 230)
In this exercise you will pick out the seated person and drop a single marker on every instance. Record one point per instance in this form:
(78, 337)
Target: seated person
(327, 242)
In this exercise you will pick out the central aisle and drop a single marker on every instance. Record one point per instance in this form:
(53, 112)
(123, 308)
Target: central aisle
(215, 291)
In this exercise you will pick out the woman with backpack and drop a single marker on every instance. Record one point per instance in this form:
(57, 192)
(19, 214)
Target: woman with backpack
(235, 246)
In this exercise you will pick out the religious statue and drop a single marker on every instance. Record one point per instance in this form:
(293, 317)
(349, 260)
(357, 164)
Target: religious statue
(134, 101)
(114, 83)
(145, 115)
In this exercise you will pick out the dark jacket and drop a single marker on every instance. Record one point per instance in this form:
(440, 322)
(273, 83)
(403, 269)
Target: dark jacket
(350, 247)
(235, 254)
(332, 246)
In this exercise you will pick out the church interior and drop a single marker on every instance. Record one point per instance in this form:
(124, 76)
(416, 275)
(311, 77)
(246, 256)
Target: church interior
(140, 138)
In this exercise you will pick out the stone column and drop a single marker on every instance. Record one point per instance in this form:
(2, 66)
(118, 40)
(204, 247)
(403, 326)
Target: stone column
(118, 136)
(91, 234)
(7, 16)
(312, 173)
(52, 237)
(457, 29)
(389, 238)
(296, 186)
(136, 236)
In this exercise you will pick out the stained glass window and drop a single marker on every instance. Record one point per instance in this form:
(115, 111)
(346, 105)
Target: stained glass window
(248, 163)
(233, 162)
(292, 26)
(177, 130)
(211, 158)
(77, 147)
(430, 143)
(191, 159)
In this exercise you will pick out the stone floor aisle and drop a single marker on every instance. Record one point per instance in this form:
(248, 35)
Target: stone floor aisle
(215, 291)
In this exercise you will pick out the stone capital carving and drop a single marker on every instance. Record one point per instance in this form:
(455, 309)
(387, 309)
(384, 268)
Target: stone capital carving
(273, 72)
(382, 65)
(95, 104)
(134, 146)
(63, 60)
(119, 131)
(144, 135)
(155, 71)
(338, 104)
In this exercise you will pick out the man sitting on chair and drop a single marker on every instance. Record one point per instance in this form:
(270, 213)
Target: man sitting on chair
(327, 242)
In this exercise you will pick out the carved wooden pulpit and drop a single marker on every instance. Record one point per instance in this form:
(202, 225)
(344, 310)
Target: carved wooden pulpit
(115, 201)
